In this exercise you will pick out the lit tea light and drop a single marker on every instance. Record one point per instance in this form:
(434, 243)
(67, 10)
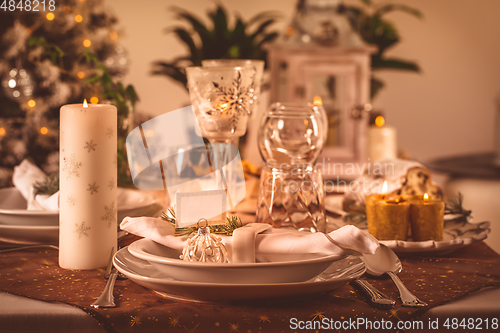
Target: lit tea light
(50, 16)
(86, 43)
(317, 100)
(31, 103)
(78, 18)
(387, 215)
(94, 100)
(427, 219)
(44, 130)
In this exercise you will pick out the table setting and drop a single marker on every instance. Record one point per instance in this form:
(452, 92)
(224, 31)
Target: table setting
(298, 259)
(197, 266)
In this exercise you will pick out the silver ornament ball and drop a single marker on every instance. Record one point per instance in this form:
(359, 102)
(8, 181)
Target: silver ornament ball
(17, 85)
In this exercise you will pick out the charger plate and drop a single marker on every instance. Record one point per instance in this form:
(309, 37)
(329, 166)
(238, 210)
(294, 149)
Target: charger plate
(336, 275)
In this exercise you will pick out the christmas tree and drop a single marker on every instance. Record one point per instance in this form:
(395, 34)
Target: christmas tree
(50, 58)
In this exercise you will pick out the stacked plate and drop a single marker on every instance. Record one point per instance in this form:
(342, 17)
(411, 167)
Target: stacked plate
(21, 226)
(158, 267)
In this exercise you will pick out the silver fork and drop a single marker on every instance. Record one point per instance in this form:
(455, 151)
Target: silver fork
(107, 300)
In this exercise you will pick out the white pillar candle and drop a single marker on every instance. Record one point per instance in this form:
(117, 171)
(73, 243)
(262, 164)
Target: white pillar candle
(88, 178)
(382, 143)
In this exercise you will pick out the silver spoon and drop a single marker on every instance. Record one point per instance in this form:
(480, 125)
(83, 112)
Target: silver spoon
(377, 298)
(385, 261)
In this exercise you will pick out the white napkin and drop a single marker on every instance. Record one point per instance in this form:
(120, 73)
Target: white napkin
(25, 176)
(271, 241)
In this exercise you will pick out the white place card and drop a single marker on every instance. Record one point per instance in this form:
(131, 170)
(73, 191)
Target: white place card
(196, 205)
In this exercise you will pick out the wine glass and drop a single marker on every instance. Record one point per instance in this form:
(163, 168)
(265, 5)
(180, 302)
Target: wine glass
(291, 133)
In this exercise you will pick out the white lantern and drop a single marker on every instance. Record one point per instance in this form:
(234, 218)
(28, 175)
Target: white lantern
(320, 55)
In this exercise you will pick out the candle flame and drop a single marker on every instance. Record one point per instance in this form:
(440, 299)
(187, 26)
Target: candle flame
(426, 197)
(379, 121)
(317, 100)
(85, 105)
(384, 187)
(223, 106)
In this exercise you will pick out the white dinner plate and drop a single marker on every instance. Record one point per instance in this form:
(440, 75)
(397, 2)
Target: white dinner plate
(457, 234)
(13, 208)
(278, 268)
(338, 274)
(29, 234)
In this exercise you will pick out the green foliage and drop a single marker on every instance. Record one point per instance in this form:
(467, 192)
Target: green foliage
(232, 222)
(48, 186)
(52, 51)
(217, 40)
(370, 23)
(455, 206)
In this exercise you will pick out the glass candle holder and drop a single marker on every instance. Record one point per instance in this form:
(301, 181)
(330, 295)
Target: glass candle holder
(222, 98)
(258, 74)
(292, 197)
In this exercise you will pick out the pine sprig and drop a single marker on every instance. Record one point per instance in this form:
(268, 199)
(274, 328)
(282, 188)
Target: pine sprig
(233, 222)
(48, 186)
(455, 206)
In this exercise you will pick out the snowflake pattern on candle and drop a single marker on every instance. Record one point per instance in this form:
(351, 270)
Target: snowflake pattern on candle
(90, 146)
(110, 132)
(81, 229)
(71, 201)
(110, 214)
(93, 188)
(112, 184)
(71, 166)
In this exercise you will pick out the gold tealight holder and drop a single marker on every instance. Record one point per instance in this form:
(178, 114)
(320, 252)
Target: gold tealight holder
(427, 219)
(387, 217)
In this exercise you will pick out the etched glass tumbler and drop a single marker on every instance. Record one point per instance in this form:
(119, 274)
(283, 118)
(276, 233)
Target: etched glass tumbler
(292, 197)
